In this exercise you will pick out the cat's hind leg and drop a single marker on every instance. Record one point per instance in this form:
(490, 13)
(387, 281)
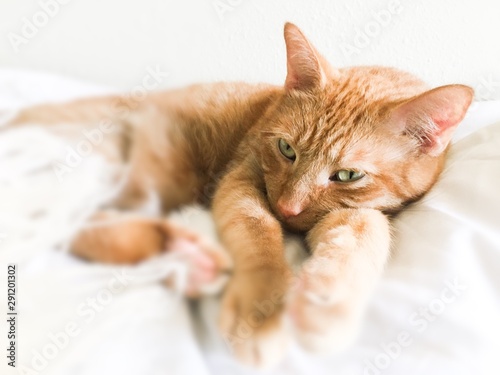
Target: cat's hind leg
(124, 238)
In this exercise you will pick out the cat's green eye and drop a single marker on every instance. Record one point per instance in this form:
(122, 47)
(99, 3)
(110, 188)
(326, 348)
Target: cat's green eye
(347, 175)
(287, 150)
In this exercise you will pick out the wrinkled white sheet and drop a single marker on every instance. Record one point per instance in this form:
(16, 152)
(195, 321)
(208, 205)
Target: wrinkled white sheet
(436, 311)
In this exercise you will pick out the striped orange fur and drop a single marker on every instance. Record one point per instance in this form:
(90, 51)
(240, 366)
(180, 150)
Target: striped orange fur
(219, 144)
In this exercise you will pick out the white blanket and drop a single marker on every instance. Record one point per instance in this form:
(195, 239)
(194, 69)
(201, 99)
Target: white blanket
(436, 311)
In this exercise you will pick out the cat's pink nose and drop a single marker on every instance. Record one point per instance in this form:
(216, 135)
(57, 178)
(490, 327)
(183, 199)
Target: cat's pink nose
(288, 209)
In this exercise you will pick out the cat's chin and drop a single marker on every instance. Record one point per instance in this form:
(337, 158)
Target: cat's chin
(296, 224)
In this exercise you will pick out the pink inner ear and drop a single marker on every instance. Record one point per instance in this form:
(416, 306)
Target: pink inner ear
(303, 66)
(445, 106)
(448, 117)
(299, 81)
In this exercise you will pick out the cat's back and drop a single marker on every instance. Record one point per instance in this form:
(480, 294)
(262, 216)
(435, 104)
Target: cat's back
(211, 120)
(221, 100)
(191, 101)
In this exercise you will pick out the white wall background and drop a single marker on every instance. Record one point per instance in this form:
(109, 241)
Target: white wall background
(114, 41)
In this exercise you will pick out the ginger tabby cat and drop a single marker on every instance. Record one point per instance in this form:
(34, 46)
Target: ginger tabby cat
(328, 155)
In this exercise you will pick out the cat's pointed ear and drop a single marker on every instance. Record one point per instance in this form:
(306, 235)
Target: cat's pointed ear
(431, 117)
(304, 64)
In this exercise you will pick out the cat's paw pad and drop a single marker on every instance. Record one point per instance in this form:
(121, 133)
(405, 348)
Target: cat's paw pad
(207, 265)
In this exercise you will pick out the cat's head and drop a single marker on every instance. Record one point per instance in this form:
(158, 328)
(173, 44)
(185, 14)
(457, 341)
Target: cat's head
(370, 137)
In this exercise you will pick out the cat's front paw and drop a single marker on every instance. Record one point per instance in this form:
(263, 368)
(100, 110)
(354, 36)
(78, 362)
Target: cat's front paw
(252, 318)
(325, 312)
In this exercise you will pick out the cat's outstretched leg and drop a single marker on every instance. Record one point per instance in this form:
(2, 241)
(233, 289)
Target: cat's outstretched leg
(123, 238)
(252, 307)
(350, 248)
